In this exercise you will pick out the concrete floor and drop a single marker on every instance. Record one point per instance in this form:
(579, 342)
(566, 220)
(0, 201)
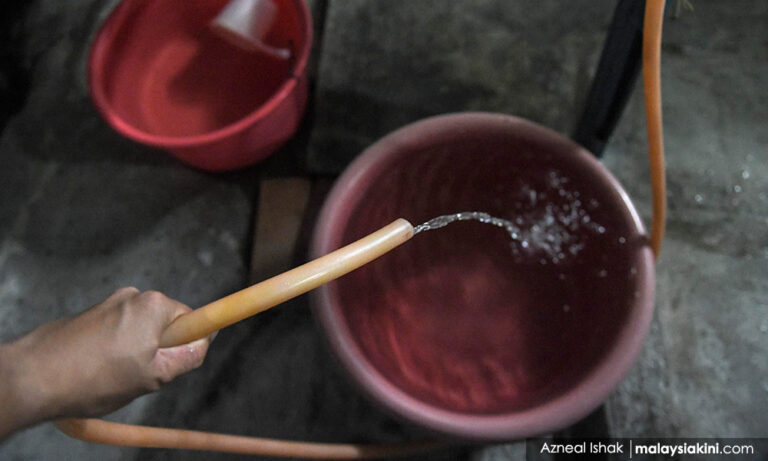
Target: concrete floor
(84, 211)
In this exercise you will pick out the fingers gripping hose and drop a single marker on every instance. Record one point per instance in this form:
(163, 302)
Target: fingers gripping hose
(99, 431)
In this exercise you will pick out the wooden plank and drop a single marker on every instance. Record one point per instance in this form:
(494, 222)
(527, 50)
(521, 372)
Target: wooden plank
(279, 217)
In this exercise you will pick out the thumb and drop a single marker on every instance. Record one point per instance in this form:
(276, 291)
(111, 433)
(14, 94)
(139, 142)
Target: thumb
(170, 362)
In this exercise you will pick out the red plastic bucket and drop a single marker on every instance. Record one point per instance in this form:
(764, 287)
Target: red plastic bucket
(161, 76)
(458, 330)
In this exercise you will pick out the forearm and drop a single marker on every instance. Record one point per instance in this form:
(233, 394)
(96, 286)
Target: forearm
(23, 402)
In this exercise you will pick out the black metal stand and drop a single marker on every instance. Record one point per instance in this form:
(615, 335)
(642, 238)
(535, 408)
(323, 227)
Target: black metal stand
(615, 77)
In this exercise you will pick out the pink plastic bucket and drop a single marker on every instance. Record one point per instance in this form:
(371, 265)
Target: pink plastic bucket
(458, 330)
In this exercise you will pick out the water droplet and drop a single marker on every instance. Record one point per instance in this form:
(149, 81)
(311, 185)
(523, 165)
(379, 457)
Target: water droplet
(602, 273)
(699, 198)
(524, 244)
(633, 270)
(566, 308)
(561, 276)
(543, 262)
(764, 327)
(622, 240)
(574, 249)
(745, 174)
(601, 229)
(737, 188)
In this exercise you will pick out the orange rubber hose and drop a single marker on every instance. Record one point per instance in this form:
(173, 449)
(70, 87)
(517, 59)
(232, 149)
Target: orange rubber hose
(654, 16)
(105, 432)
(257, 298)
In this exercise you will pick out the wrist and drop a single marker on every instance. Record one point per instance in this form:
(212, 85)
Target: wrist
(13, 415)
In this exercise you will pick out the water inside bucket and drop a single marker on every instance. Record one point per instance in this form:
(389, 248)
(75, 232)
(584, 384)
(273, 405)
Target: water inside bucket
(494, 317)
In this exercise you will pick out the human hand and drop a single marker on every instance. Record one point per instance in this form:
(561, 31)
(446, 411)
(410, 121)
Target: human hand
(95, 362)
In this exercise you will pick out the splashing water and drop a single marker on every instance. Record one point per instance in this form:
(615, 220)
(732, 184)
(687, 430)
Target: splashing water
(546, 235)
(442, 221)
(552, 231)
